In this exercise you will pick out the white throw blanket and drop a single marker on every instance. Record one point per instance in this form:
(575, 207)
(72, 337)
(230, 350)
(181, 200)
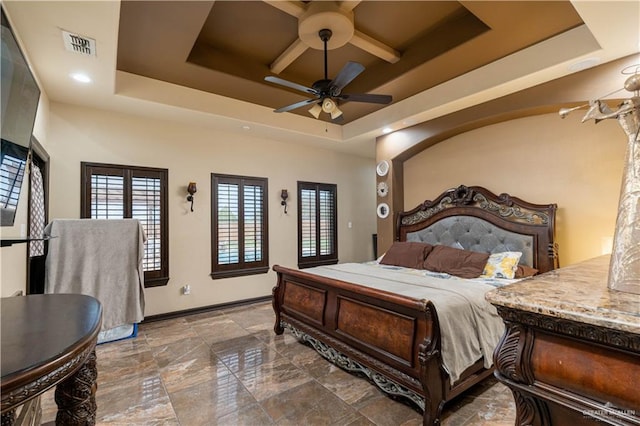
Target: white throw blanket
(99, 258)
(470, 326)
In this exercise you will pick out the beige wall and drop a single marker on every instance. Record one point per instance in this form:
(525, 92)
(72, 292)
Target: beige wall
(541, 159)
(192, 154)
(13, 259)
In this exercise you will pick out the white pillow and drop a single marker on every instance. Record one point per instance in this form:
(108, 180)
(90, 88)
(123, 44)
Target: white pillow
(502, 265)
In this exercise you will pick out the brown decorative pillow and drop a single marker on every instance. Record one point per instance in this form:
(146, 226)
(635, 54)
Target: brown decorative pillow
(453, 261)
(407, 254)
(525, 271)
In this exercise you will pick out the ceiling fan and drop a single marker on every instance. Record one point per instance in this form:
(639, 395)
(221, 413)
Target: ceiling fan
(327, 92)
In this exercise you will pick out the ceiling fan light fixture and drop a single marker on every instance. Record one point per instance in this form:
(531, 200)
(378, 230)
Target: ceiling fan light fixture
(335, 113)
(315, 110)
(328, 105)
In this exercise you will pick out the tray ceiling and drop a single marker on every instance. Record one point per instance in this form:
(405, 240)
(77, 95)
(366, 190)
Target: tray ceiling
(228, 47)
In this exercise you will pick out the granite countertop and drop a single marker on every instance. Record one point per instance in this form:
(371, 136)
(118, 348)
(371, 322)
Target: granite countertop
(578, 292)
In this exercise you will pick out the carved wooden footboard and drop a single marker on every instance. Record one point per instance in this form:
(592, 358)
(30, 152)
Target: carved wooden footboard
(391, 339)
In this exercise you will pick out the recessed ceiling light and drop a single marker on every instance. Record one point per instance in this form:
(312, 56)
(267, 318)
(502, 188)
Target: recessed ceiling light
(80, 77)
(387, 130)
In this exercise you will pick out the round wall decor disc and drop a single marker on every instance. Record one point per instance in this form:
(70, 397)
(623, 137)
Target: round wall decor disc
(382, 168)
(382, 210)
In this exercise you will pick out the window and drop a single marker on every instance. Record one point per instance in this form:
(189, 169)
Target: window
(317, 224)
(122, 192)
(239, 226)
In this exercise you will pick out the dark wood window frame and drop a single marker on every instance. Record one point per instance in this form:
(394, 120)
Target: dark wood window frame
(158, 277)
(242, 266)
(306, 261)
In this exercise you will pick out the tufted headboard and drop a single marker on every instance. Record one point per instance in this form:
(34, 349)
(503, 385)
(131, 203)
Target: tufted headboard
(473, 218)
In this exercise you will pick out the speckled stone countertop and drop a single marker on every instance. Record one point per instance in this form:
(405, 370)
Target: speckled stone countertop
(578, 292)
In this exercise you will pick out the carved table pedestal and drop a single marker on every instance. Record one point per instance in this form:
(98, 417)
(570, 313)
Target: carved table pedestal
(49, 340)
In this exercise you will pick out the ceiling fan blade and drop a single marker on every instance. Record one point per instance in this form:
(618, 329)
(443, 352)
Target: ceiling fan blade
(350, 71)
(296, 86)
(296, 105)
(366, 97)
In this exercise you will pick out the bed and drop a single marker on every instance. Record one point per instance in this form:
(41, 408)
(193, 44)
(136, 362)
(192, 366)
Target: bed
(365, 320)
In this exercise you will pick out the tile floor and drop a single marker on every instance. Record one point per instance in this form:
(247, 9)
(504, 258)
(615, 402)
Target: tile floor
(229, 368)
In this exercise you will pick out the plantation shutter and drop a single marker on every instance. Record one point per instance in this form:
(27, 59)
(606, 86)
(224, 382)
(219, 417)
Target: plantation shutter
(253, 201)
(107, 196)
(308, 222)
(228, 224)
(128, 192)
(317, 224)
(145, 206)
(327, 222)
(239, 226)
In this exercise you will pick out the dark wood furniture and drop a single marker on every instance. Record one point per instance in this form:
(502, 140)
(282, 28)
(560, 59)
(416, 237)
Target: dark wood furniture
(395, 340)
(49, 340)
(571, 350)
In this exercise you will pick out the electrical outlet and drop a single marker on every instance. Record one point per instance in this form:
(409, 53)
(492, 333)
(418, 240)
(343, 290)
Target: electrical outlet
(186, 290)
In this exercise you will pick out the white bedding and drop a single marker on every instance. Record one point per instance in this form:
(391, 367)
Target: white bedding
(470, 326)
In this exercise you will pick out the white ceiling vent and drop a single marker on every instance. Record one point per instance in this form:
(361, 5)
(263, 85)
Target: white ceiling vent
(79, 44)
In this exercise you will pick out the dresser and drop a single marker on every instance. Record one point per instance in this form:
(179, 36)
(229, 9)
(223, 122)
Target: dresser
(571, 348)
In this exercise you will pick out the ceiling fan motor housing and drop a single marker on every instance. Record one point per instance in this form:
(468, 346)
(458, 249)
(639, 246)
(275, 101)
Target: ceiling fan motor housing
(325, 15)
(322, 87)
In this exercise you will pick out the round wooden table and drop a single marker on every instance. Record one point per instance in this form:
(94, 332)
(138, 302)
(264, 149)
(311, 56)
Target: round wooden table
(49, 340)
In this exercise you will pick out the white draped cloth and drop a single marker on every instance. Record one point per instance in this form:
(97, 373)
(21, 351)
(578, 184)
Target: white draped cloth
(100, 258)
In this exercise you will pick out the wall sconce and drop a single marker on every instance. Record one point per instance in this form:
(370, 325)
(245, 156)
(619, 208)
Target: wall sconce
(284, 194)
(191, 189)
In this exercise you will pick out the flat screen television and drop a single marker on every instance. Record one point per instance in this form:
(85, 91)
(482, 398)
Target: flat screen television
(13, 162)
(20, 95)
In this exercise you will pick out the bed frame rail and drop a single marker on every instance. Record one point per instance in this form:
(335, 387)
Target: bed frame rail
(349, 326)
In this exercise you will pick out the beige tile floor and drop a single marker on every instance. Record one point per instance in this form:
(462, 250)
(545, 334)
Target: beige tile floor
(229, 368)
